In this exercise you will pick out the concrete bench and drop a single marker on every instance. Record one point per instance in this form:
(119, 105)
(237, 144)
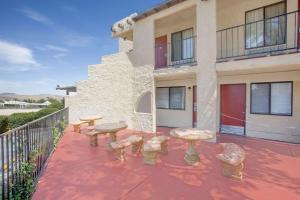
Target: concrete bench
(76, 125)
(157, 144)
(232, 159)
(93, 136)
(119, 146)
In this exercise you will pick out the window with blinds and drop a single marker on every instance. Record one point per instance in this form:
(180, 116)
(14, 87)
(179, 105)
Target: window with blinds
(272, 98)
(170, 98)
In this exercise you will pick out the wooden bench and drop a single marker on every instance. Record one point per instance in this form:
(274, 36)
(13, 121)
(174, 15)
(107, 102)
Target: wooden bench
(119, 146)
(76, 125)
(232, 159)
(157, 144)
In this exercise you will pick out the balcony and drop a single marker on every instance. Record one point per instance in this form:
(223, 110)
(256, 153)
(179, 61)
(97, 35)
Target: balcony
(175, 54)
(175, 43)
(271, 36)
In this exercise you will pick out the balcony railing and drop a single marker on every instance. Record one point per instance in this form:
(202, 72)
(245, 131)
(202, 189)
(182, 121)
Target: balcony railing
(17, 145)
(176, 53)
(271, 36)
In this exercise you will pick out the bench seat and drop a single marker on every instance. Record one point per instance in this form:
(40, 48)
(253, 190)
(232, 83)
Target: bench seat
(76, 125)
(93, 136)
(157, 144)
(232, 159)
(119, 146)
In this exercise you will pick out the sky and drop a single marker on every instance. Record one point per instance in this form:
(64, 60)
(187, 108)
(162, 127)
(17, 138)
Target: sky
(51, 42)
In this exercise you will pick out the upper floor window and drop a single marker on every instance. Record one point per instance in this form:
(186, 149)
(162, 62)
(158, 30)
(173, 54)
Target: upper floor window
(266, 26)
(182, 45)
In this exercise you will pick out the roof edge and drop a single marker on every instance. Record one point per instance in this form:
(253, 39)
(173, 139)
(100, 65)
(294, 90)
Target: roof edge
(156, 9)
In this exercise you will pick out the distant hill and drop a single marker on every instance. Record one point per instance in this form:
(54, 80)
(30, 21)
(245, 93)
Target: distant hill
(10, 96)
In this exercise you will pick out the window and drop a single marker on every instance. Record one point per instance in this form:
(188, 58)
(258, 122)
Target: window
(170, 98)
(162, 98)
(266, 26)
(182, 45)
(272, 98)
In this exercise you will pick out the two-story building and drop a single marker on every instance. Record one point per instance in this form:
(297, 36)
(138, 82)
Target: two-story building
(228, 66)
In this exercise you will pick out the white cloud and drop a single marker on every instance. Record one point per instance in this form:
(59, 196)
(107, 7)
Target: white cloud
(59, 55)
(51, 47)
(68, 8)
(14, 57)
(56, 48)
(69, 37)
(78, 40)
(36, 16)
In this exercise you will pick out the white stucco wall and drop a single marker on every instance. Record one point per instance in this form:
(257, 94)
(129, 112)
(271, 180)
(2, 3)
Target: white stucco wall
(177, 118)
(125, 45)
(111, 91)
(206, 57)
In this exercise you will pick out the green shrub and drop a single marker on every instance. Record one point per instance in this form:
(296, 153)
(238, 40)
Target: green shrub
(19, 119)
(3, 124)
(56, 104)
(23, 188)
(45, 111)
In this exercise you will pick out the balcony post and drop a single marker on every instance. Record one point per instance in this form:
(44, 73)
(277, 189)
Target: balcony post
(206, 73)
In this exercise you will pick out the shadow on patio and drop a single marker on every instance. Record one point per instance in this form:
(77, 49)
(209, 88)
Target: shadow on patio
(78, 171)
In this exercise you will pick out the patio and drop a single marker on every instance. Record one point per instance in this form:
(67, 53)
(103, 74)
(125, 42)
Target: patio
(78, 171)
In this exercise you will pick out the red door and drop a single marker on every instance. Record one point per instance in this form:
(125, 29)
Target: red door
(194, 106)
(161, 52)
(233, 107)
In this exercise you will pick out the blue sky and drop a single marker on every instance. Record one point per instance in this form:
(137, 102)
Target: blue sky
(45, 43)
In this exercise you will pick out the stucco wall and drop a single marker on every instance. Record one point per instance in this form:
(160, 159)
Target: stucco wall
(231, 42)
(285, 128)
(225, 10)
(111, 92)
(206, 57)
(185, 19)
(177, 118)
(125, 45)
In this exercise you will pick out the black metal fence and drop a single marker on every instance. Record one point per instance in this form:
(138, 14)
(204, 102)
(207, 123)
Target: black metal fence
(176, 53)
(18, 144)
(271, 36)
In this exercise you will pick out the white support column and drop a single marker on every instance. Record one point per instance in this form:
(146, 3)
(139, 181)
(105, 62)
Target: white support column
(206, 57)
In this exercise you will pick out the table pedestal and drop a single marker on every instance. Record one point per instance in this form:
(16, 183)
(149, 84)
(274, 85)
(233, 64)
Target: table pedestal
(112, 138)
(191, 155)
(92, 123)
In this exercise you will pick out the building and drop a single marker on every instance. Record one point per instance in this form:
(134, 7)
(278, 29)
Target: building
(226, 66)
(23, 105)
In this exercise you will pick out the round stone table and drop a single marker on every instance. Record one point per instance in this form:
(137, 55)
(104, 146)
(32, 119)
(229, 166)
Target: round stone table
(111, 129)
(191, 136)
(90, 119)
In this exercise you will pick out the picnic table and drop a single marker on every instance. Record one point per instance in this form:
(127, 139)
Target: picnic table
(90, 119)
(191, 136)
(112, 129)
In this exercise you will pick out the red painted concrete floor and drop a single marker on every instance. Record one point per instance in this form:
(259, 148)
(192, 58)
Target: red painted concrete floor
(78, 171)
